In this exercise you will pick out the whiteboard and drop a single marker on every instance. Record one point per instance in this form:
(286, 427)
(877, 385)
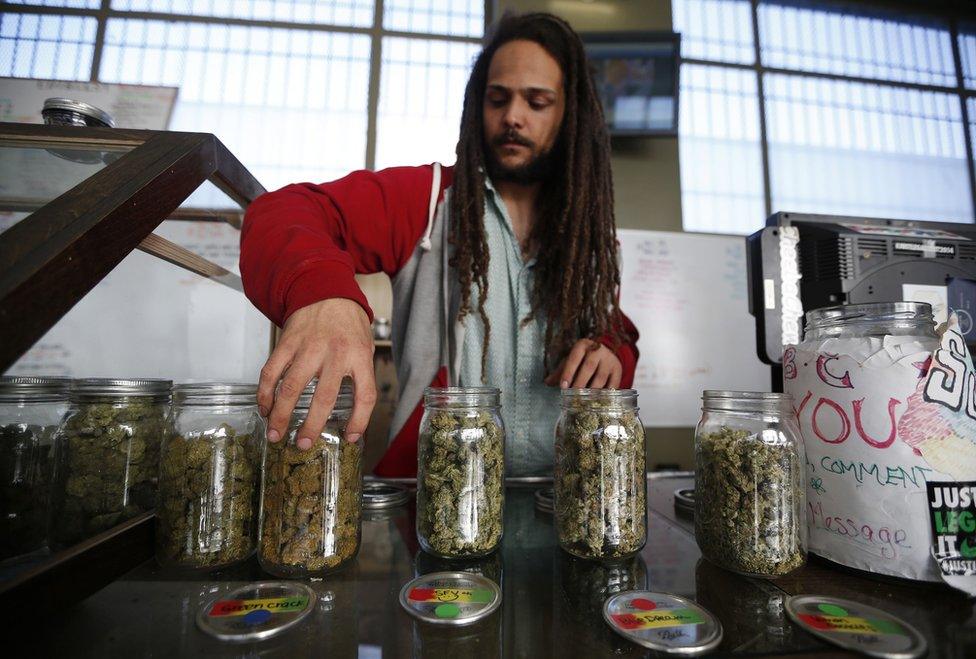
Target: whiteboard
(687, 293)
(149, 318)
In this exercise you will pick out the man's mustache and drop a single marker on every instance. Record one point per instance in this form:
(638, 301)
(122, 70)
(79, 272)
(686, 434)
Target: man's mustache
(512, 137)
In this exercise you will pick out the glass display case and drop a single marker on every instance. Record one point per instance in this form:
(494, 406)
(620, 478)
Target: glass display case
(75, 202)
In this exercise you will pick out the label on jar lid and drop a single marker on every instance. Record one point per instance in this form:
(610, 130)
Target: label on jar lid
(256, 611)
(857, 627)
(663, 622)
(450, 598)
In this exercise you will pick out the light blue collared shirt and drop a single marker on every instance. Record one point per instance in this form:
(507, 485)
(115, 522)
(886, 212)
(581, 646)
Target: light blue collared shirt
(530, 408)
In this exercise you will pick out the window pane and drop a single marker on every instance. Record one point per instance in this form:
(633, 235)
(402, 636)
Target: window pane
(719, 149)
(58, 47)
(78, 4)
(454, 17)
(796, 36)
(871, 150)
(967, 52)
(290, 104)
(421, 94)
(718, 30)
(332, 12)
(971, 110)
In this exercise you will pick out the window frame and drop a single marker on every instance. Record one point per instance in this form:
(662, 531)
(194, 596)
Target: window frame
(761, 69)
(376, 32)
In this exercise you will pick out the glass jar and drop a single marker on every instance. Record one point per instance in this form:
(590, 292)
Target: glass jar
(210, 477)
(311, 507)
(461, 472)
(30, 411)
(600, 481)
(750, 500)
(106, 464)
(870, 439)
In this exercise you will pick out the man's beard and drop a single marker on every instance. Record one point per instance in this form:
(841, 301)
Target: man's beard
(537, 170)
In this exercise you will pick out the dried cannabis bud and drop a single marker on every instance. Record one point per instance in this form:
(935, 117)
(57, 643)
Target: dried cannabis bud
(311, 506)
(106, 466)
(461, 481)
(208, 497)
(747, 510)
(25, 481)
(600, 481)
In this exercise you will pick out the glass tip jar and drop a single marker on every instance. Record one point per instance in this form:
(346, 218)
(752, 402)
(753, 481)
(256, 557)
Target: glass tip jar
(600, 478)
(750, 497)
(461, 472)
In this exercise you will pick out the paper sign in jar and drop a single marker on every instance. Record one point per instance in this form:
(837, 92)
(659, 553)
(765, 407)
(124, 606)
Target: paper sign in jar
(881, 417)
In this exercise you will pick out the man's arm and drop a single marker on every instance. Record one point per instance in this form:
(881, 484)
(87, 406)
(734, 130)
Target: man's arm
(305, 242)
(300, 250)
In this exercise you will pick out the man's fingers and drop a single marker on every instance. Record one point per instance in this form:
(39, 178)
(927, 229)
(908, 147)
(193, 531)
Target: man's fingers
(270, 374)
(364, 380)
(602, 375)
(323, 400)
(615, 375)
(572, 363)
(553, 378)
(299, 374)
(587, 369)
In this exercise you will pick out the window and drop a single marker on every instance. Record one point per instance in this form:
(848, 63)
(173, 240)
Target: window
(59, 47)
(287, 85)
(861, 113)
(421, 96)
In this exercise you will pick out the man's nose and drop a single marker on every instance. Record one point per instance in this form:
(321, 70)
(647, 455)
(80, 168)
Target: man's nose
(514, 116)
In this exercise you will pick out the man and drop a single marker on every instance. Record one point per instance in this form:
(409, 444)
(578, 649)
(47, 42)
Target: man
(504, 267)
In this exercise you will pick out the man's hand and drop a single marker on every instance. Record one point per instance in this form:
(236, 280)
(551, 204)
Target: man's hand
(329, 339)
(588, 365)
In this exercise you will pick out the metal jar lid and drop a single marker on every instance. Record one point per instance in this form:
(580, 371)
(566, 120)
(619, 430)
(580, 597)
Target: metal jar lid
(684, 501)
(378, 495)
(663, 622)
(256, 611)
(450, 598)
(36, 388)
(93, 116)
(858, 627)
(545, 500)
(94, 388)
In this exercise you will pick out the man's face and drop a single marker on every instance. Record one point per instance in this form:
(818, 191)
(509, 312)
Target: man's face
(523, 111)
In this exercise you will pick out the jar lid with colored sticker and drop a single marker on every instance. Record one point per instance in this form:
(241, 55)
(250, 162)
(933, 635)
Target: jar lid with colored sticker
(256, 611)
(450, 598)
(663, 622)
(858, 627)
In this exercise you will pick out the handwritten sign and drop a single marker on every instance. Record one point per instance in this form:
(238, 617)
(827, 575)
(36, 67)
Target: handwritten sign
(880, 418)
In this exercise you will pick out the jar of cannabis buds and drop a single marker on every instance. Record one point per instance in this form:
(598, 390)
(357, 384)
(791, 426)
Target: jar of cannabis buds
(461, 472)
(30, 411)
(210, 476)
(749, 487)
(106, 463)
(600, 480)
(311, 499)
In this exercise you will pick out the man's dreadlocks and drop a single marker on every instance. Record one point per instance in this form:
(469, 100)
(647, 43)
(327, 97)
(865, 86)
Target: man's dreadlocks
(576, 274)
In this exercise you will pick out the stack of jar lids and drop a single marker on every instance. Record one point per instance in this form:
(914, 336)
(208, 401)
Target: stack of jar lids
(684, 501)
(378, 495)
(545, 500)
